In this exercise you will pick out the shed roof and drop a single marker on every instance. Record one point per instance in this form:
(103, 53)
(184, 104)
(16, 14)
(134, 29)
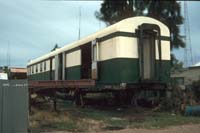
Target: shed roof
(197, 64)
(18, 70)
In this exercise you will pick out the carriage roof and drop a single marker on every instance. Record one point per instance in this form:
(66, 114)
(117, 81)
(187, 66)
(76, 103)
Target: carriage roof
(126, 25)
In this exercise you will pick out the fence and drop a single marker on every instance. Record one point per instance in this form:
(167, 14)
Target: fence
(13, 106)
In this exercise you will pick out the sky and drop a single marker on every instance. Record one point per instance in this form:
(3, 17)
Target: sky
(31, 28)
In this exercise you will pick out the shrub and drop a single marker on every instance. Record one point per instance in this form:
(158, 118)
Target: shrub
(196, 89)
(174, 101)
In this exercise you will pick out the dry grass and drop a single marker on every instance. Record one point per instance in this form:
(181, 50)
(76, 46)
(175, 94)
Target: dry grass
(91, 119)
(42, 120)
(48, 119)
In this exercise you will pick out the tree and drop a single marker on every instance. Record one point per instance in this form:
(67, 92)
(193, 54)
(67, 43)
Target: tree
(168, 12)
(176, 65)
(55, 47)
(5, 69)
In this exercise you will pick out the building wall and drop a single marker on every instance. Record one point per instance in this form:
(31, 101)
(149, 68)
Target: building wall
(189, 75)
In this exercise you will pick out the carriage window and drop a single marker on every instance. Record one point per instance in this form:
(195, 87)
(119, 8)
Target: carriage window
(29, 70)
(40, 67)
(53, 63)
(45, 66)
(32, 69)
(36, 68)
(94, 51)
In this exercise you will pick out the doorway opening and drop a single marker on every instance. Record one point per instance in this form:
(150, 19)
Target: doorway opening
(60, 67)
(148, 57)
(149, 35)
(86, 61)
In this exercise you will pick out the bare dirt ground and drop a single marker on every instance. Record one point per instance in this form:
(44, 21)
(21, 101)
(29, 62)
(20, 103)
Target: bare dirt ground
(194, 128)
(174, 129)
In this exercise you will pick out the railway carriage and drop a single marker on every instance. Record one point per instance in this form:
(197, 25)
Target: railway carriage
(130, 53)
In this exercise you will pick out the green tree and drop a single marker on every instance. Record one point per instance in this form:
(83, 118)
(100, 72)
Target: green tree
(55, 47)
(176, 65)
(168, 12)
(6, 69)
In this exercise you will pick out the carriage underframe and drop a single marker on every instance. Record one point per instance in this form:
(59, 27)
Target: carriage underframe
(79, 88)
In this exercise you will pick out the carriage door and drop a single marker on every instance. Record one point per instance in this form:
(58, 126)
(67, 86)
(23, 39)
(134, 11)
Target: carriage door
(147, 41)
(86, 61)
(148, 56)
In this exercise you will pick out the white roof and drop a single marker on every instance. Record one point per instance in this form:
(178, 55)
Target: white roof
(3, 76)
(126, 25)
(197, 64)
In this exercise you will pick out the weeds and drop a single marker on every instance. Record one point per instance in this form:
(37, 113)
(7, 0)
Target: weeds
(75, 119)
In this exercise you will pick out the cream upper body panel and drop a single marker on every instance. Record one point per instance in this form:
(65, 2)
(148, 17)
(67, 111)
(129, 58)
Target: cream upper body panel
(73, 58)
(118, 47)
(126, 25)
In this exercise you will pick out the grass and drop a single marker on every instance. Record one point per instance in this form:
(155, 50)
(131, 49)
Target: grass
(68, 125)
(87, 119)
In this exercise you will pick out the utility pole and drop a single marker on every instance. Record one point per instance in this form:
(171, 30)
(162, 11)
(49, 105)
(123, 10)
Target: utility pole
(188, 58)
(8, 54)
(79, 29)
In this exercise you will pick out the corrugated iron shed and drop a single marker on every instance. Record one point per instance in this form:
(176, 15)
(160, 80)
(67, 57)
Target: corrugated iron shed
(18, 70)
(187, 76)
(17, 73)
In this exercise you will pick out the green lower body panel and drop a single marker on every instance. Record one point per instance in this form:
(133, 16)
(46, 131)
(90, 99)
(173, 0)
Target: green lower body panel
(118, 70)
(164, 71)
(73, 73)
(126, 70)
(113, 71)
(42, 76)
